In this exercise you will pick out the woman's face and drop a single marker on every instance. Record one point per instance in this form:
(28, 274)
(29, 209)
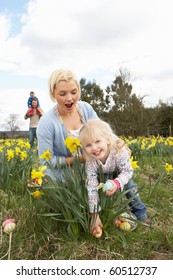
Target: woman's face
(66, 94)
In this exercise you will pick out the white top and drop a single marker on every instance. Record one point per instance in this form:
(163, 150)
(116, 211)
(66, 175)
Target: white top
(75, 133)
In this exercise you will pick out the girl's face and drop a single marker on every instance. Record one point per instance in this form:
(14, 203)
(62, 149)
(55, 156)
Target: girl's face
(66, 94)
(97, 148)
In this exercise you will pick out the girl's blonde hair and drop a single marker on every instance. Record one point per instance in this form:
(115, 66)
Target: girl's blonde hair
(61, 75)
(95, 128)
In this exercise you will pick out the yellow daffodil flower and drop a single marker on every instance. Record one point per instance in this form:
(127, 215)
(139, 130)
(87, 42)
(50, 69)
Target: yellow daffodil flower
(7, 143)
(72, 144)
(168, 167)
(10, 154)
(27, 145)
(23, 155)
(134, 163)
(170, 143)
(37, 194)
(1, 149)
(17, 150)
(38, 174)
(47, 155)
(21, 143)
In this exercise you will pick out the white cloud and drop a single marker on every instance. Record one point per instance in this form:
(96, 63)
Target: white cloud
(4, 27)
(93, 38)
(16, 103)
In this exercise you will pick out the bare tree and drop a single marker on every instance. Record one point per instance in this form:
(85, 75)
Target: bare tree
(12, 123)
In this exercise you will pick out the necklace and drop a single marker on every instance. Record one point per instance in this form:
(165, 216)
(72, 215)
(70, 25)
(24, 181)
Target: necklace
(81, 115)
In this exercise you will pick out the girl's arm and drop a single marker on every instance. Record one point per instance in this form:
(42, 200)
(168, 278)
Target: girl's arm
(124, 167)
(95, 223)
(93, 198)
(92, 186)
(122, 162)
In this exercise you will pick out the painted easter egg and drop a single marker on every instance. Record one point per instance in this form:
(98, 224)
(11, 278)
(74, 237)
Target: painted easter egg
(107, 186)
(97, 234)
(125, 226)
(124, 216)
(9, 225)
(116, 222)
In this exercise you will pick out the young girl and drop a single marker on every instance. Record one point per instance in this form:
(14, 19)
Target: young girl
(102, 148)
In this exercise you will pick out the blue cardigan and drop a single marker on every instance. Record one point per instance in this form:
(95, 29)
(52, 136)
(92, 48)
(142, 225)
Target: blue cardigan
(51, 135)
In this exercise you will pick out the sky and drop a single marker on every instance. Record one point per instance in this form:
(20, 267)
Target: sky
(92, 38)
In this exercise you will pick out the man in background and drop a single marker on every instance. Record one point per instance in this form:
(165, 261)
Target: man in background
(34, 114)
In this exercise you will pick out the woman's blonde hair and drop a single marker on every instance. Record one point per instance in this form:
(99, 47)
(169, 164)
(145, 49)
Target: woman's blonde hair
(95, 128)
(61, 75)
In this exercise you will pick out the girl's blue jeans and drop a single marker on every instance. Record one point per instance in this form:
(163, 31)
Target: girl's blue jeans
(137, 207)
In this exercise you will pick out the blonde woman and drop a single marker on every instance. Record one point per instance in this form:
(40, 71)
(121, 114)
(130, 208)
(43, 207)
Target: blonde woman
(64, 120)
(101, 148)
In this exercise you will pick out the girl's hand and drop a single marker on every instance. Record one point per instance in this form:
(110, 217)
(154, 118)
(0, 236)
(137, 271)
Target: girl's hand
(95, 223)
(114, 188)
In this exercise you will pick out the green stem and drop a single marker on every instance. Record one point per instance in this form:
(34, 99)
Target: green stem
(9, 249)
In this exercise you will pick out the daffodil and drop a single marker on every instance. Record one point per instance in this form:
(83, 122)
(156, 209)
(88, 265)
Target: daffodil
(47, 155)
(10, 154)
(27, 145)
(168, 167)
(1, 149)
(134, 163)
(21, 143)
(38, 174)
(143, 146)
(17, 150)
(170, 143)
(23, 155)
(37, 194)
(72, 144)
(7, 143)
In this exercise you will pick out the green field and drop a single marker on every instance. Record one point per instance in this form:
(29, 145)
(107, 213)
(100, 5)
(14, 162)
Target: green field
(42, 224)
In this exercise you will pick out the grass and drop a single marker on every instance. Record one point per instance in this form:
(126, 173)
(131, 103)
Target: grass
(43, 238)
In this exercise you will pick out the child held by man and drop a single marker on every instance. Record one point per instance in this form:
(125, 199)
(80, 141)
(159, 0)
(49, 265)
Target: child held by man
(30, 111)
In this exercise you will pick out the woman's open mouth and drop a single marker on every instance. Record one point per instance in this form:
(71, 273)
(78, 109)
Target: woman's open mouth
(69, 105)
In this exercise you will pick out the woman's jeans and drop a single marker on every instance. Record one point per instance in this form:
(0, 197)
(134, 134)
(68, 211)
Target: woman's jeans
(32, 135)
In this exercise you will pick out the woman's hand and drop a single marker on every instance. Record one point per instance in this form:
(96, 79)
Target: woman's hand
(81, 158)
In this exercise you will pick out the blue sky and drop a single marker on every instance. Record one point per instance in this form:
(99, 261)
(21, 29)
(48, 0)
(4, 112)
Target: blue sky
(15, 10)
(93, 38)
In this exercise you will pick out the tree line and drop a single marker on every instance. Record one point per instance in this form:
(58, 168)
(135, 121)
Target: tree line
(121, 108)
(125, 111)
